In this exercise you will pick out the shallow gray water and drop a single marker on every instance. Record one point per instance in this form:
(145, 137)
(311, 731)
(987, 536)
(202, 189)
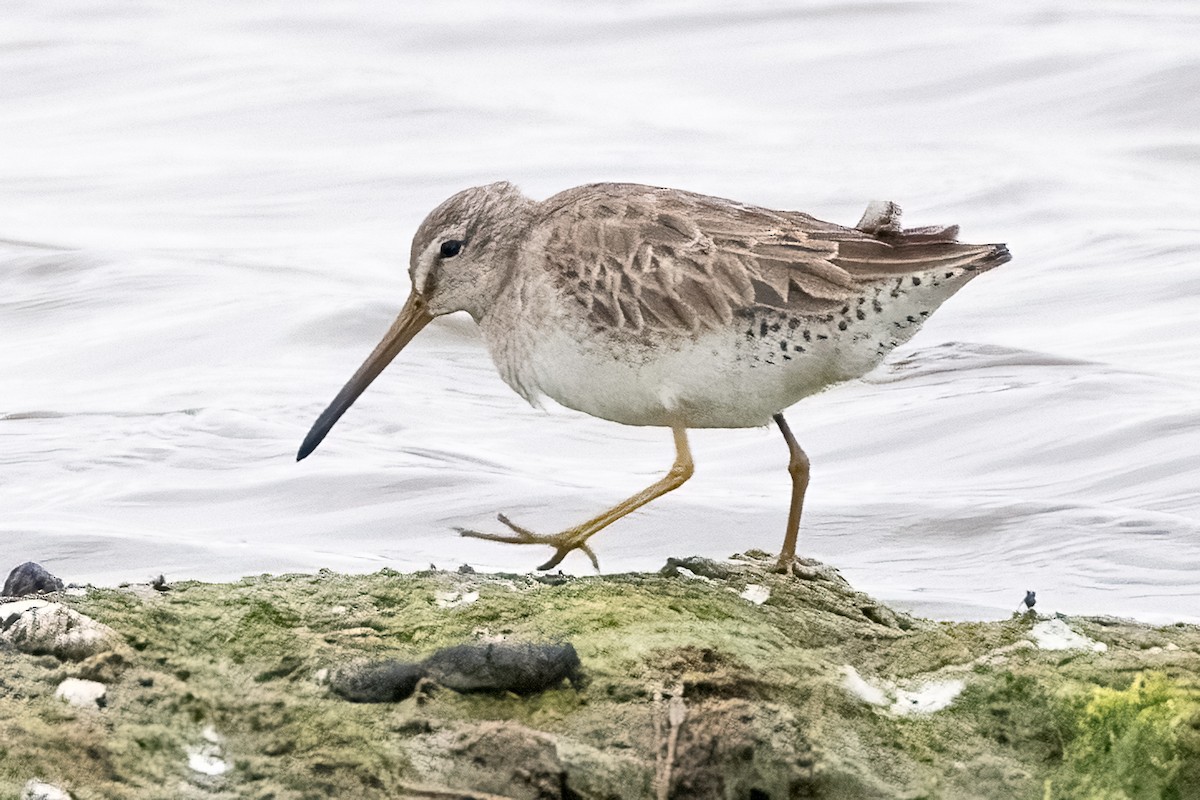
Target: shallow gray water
(206, 220)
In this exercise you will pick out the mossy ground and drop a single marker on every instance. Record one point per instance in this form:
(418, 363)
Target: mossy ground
(245, 659)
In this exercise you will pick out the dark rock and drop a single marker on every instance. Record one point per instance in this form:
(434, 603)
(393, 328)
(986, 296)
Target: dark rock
(378, 682)
(697, 565)
(30, 578)
(517, 667)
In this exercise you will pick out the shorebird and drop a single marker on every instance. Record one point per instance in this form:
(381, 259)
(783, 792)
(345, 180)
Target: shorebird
(660, 307)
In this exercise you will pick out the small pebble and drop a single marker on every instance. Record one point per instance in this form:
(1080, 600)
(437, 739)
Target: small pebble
(521, 668)
(82, 693)
(37, 790)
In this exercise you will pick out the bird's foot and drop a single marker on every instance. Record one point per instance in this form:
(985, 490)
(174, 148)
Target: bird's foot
(808, 569)
(785, 566)
(795, 567)
(563, 543)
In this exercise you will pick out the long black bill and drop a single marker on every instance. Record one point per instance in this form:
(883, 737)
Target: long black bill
(413, 317)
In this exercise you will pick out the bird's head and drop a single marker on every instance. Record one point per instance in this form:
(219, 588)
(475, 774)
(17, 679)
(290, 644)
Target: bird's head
(460, 256)
(462, 250)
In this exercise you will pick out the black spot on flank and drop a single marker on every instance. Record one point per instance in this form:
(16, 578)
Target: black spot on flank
(822, 336)
(949, 274)
(842, 325)
(783, 345)
(787, 358)
(878, 306)
(797, 348)
(762, 329)
(793, 323)
(845, 309)
(924, 313)
(916, 280)
(775, 328)
(862, 300)
(911, 318)
(859, 313)
(808, 336)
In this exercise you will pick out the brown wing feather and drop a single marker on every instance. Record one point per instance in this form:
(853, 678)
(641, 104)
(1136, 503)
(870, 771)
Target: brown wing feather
(642, 258)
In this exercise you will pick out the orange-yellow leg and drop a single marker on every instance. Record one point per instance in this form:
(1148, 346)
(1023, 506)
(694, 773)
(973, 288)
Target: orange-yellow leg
(798, 465)
(576, 538)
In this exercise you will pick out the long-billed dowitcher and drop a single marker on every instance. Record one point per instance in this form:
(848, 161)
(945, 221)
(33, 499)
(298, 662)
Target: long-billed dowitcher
(650, 306)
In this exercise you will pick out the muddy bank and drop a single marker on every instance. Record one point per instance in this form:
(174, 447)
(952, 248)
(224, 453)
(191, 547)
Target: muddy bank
(710, 679)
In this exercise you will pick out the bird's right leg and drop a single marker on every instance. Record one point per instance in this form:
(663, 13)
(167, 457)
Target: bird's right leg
(798, 465)
(576, 538)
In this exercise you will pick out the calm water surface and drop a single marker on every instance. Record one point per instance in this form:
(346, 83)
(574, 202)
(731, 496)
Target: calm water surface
(206, 217)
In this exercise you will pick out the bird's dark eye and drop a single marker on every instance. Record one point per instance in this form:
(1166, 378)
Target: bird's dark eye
(451, 248)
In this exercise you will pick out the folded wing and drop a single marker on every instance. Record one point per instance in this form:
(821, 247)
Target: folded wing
(640, 258)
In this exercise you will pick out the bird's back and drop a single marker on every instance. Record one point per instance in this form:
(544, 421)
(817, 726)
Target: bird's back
(679, 305)
(639, 257)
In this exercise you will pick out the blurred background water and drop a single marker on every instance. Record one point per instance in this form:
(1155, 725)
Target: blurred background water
(205, 225)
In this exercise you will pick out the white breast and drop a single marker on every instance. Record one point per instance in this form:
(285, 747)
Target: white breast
(737, 376)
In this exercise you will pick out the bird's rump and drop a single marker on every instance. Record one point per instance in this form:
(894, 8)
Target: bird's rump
(645, 259)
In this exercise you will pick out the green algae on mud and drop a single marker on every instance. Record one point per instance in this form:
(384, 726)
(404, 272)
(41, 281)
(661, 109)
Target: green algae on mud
(693, 690)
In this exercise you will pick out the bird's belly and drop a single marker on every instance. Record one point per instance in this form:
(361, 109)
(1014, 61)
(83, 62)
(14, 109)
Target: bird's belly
(715, 379)
(736, 376)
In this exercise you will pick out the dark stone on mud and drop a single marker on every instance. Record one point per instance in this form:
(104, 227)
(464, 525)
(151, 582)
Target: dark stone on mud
(30, 578)
(380, 682)
(517, 667)
(697, 565)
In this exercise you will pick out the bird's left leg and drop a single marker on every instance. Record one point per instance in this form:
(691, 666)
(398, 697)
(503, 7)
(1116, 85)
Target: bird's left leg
(576, 538)
(798, 465)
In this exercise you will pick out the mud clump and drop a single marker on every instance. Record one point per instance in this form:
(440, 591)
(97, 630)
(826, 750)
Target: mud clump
(518, 667)
(523, 668)
(378, 682)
